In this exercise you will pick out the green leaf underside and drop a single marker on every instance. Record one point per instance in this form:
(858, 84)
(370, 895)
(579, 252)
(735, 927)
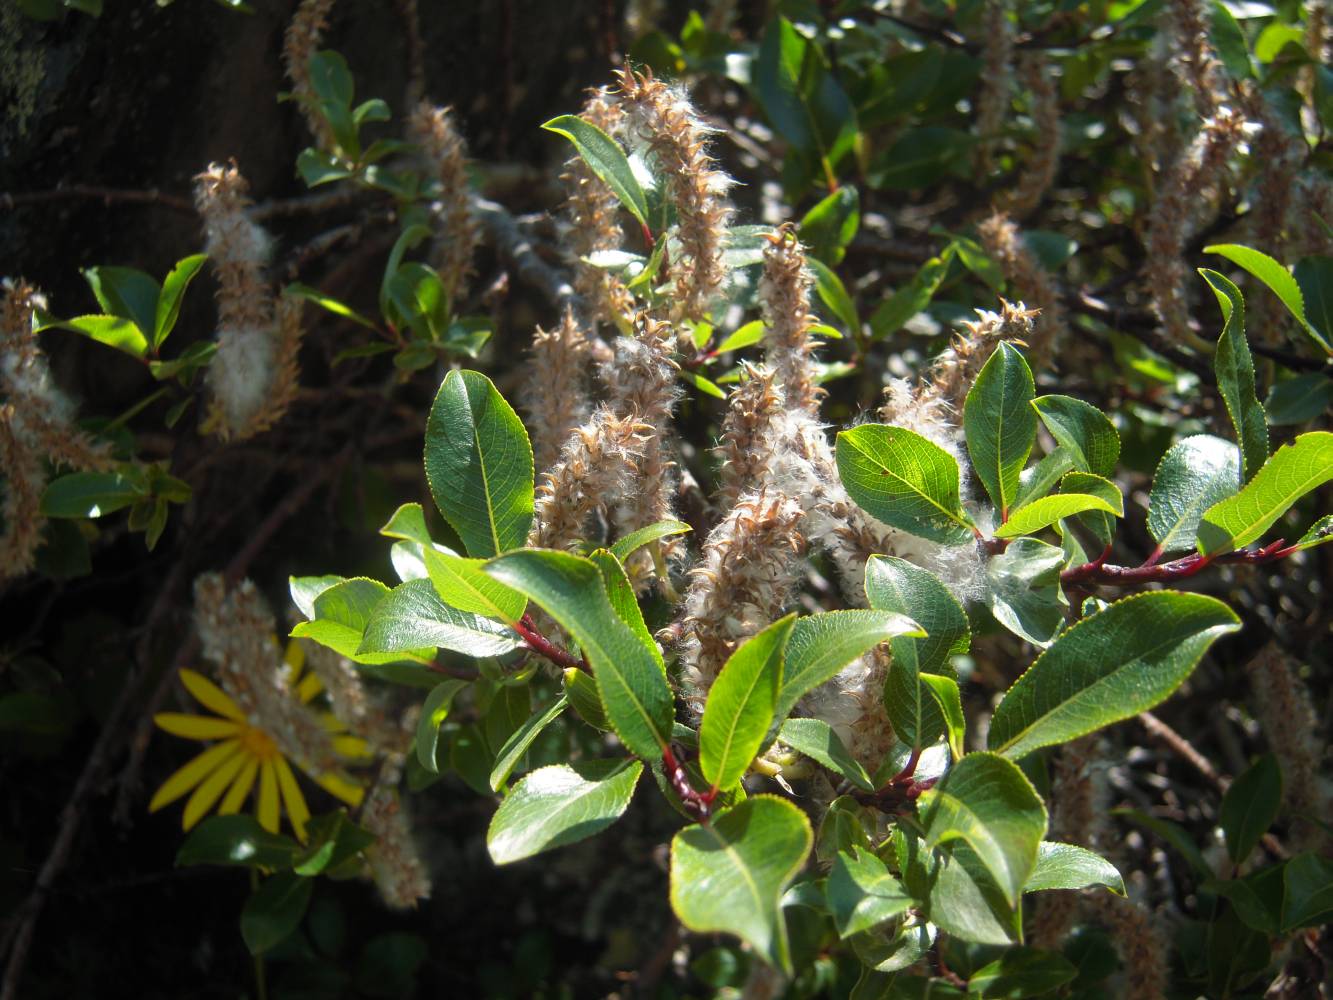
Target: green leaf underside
(479, 465)
(1083, 429)
(730, 876)
(412, 616)
(606, 159)
(999, 423)
(1107, 667)
(1025, 589)
(1067, 866)
(817, 740)
(1250, 806)
(1235, 376)
(561, 804)
(1195, 473)
(740, 705)
(905, 481)
(634, 689)
(862, 894)
(517, 745)
(1294, 470)
(987, 802)
(1045, 511)
(341, 615)
(461, 584)
(113, 331)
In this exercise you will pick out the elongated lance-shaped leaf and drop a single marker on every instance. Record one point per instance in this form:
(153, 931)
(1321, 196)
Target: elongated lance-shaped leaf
(905, 480)
(1319, 533)
(1194, 474)
(479, 465)
(1107, 667)
(620, 592)
(634, 689)
(561, 804)
(635, 540)
(1043, 512)
(949, 701)
(1085, 431)
(1235, 376)
(606, 159)
(989, 803)
(1067, 866)
(1000, 425)
(1294, 470)
(1250, 806)
(517, 745)
(434, 711)
(1277, 278)
(740, 705)
(729, 876)
(412, 616)
(820, 742)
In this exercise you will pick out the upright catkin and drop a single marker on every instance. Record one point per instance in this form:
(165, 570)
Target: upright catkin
(997, 81)
(456, 232)
(299, 44)
(1043, 327)
(1038, 174)
(555, 391)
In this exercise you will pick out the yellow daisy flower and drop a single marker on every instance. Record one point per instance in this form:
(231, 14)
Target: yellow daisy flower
(246, 753)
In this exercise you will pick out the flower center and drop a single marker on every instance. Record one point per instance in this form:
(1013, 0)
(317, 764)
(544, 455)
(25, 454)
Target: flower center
(258, 744)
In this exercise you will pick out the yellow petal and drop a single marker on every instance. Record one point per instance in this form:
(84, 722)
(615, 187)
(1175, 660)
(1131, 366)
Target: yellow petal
(196, 727)
(294, 656)
(309, 687)
(341, 787)
(192, 773)
(240, 788)
(297, 811)
(211, 789)
(211, 696)
(351, 746)
(268, 797)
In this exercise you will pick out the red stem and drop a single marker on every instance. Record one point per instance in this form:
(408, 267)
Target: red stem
(1099, 572)
(538, 643)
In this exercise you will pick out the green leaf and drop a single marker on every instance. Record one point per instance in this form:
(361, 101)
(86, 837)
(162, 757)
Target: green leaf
(833, 293)
(707, 387)
(462, 584)
(1087, 432)
(434, 711)
(822, 644)
(1250, 806)
(330, 78)
(635, 540)
(126, 292)
(817, 740)
(862, 894)
(168, 308)
(1107, 667)
(1308, 897)
(801, 98)
(341, 615)
(1320, 533)
(831, 225)
(408, 522)
(1038, 480)
(1021, 973)
(114, 331)
(334, 839)
(1296, 400)
(479, 465)
(606, 159)
(561, 804)
(236, 840)
(275, 910)
(744, 336)
(581, 690)
(520, 740)
(1195, 473)
(904, 480)
(1235, 376)
(90, 494)
(620, 592)
(1000, 425)
(920, 157)
(1046, 511)
(1175, 835)
(1100, 523)
(730, 876)
(412, 616)
(304, 590)
(329, 304)
(1314, 275)
(912, 298)
(1229, 40)
(317, 167)
(1277, 278)
(740, 705)
(1294, 470)
(634, 688)
(949, 700)
(988, 803)
(965, 900)
(1025, 589)
(1066, 866)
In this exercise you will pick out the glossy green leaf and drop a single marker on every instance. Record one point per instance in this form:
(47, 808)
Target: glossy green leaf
(905, 481)
(434, 710)
(817, 740)
(341, 615)
(987, 802)
(561, 804)
(113, 331)
(606, 159)
(1308, 897)
(1235, 376)
(822, 644)
(740, 705)
(833, 293)
(1250, 806)
(90, 494)
(730, 875)
(1000, 425)
(461, 584)
(634, 689)
(412, 616)
(1021, 973)
(620, 592)
(831, 224)
(862, 894)
(911, 298)
(126, 292)
(1025, 589)
(1314, 276)
(239, 840)
(328, 303)
(1038, 480)
(1047, 510)
(479, 465)
(1277, 278)
(1319, 533)
(1294, 470)
(304, 590)
(948, 700)
(333, 840)
(275, 910)
(168, 308)
(1107, 667)
(746, 335)
(625, 547)
(1067, 866)
(1195, 473)
(581, 690)
(520, 740)
(1087, 432)
(964, 899)
(1296, 400)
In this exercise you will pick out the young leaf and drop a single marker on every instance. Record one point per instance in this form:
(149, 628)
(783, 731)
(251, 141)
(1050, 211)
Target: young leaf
(412, 616)
(517, 745)
(1319, 533)
(740, 705)
(1046, 511)
(1066, 866)
(479, 465)
(729, 876)
(1277, 278)
(1108, 667)
(561, 804)
(634, 688)
(275, 910)
(817, 740)
(1000, 425)
(949, 701)
(1250, 806)
(1235, 376)
(328, 303)
(1294, 470)
(912, 298)
(831, 224)
(987, 802)
(341, 615)
(606, 159)
(1025, 589)
(114, 331)
(126, 292)
(581, 690)
(334, 838)
(1084, 430)
(833, 293)
(1195, 473)
(461, 584)
(168, 307)
(434, 711)
(90, 494)
(625, 547)
(862, 894)
(904, 480)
